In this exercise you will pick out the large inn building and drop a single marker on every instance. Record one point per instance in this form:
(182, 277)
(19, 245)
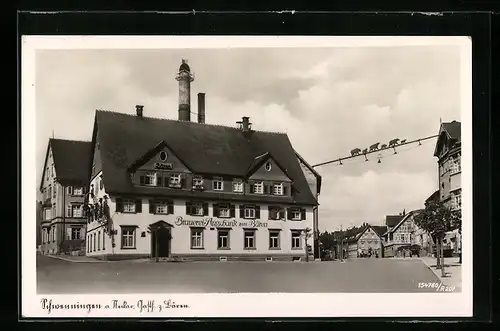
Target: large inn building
(182, 189)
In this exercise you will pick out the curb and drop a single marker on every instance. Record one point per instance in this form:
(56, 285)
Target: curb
(70, 260)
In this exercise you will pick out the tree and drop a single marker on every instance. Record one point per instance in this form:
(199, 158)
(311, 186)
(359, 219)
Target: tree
(307, 233)
(437, 219)
(457, 224)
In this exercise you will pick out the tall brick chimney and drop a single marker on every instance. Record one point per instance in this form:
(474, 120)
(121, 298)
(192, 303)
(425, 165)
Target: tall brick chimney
(184, 77)
(201, 108)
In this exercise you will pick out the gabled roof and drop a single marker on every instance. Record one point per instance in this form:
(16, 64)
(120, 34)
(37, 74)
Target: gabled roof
(258, 161)
(71, 159)
(453, 130)
(148, 155)
(408, 215)
(379, 229)
(433, 196)
(393, 220)
(316, 174)
(204, 148)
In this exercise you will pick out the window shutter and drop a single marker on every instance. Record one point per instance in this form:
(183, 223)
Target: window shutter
(232, 211)
(285, 188)
(252, 189)
(170, 207)
(142, 180)
(70, 190)
(266, 189)
(257, 212)
(166, 180)
(119, 205)
(188, 208)
(242, 211)
(138, 206)
(159, 179)
(151, 206)
(216, 210)
(289, 213)
(183, 180)
(205, 209)
(303, 213)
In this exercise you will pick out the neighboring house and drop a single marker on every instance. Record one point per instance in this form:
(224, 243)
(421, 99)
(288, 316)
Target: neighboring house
(448, 151)
(390, 222)
(181, 189)
(64, 177)
(400, 237)
(451, 243)
(38, 216)
(367, 242)
(314, 180)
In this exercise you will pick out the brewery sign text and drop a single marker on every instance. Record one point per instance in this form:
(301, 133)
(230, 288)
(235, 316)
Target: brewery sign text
(202, 223)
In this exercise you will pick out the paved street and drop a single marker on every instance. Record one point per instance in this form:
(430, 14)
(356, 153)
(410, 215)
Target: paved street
(363, 275)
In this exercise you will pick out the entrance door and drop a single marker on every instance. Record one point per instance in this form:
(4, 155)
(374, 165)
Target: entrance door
(161, 237)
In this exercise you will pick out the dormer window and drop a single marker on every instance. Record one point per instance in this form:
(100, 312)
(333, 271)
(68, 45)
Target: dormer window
(268, 166)
(175, 180)
(278, 189)
(78, 191)
(218, 184)
(258, 188)
(238, 186)
(163, 156)
(197, 181)
(150, 179)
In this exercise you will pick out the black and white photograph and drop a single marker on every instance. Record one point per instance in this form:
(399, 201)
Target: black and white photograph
(238, 176)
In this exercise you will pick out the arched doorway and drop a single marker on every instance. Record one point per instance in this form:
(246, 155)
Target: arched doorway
(161, 236)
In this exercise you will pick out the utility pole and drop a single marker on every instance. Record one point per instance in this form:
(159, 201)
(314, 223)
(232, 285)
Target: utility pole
(341, 244)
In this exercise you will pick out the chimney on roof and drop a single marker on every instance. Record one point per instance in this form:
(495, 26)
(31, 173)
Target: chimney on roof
(201, 108)
(245, 124)
(138, 110)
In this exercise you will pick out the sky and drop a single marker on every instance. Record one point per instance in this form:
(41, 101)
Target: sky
(328, 100)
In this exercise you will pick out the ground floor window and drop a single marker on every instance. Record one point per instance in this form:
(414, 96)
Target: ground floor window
(76, 233)
(93, 235)
(223, 239)
(196, 238)
(99, 241)
(249, 239)
(274, 239)
(128, 237)
(103, 240)
(88, 244)
(296, 239)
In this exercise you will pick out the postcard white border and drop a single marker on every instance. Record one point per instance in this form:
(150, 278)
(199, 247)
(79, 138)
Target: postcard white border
(243, 304)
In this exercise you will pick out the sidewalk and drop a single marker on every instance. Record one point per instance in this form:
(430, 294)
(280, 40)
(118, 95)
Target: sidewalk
(453, 270)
